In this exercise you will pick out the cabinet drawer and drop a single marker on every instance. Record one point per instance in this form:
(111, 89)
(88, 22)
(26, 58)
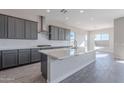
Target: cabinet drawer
(9, 51)
(24, 50)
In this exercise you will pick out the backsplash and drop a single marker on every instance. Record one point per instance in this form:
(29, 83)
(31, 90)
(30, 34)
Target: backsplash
(42, 40)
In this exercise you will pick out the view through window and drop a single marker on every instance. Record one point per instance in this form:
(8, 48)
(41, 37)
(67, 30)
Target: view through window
(101, 36)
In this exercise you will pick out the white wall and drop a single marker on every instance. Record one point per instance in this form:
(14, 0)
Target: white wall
(109, 47)
(119, 37)
(42, 37)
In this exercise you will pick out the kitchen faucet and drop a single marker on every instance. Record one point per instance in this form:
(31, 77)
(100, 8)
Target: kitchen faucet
(75, 44)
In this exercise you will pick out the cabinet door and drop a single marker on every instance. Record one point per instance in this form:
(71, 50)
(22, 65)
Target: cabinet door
(61, 34)
(24, 56)
(35, 55)
(67, 34)
(52, 32)
(44, 65)
(19, 28)
(11, 28)
(9, 58)
(27, 30)
(56, 33)
(34, 31)
(0, 61)
(3, 26)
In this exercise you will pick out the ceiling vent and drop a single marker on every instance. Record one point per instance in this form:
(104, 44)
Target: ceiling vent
(63, 11)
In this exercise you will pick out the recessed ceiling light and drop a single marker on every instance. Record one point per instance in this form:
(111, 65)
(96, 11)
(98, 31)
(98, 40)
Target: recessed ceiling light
(81, 11)
(66, 18)
(48, 10)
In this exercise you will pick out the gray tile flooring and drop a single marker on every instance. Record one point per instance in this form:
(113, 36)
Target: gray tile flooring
(24, 74)
(104, 70)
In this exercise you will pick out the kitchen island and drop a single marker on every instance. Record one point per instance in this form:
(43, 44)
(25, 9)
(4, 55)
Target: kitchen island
(58, 64)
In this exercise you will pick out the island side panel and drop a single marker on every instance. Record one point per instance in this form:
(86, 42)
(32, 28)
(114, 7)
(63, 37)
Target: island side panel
(61, 69)
(44, 65)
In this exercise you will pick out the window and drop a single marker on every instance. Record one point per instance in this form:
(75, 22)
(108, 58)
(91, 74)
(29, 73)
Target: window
(72, 35)
(72, 38)
(102, 36)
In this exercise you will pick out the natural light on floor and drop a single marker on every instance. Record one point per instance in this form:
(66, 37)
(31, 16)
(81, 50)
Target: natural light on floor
(101, 55)
(120, 61)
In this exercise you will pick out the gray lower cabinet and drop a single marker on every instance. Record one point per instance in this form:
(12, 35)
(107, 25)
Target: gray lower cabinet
(3, 26)
(19, 28)
(9, 58)
(0, 60)
(24, 56)
(44, 65)
(35, 55)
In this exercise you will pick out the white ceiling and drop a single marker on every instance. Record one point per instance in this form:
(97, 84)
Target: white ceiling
(90, 19)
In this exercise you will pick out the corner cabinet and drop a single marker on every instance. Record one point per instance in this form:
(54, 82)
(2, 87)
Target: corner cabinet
(9, 58)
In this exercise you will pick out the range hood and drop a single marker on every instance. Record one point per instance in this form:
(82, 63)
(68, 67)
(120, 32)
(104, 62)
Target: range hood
(43, 24)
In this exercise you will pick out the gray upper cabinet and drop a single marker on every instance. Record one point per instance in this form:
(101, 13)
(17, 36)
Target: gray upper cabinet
(15, 28)
(67, 34)
(19, 28)
(0, 60)
(34, 31)
(9, 58)
(24, 56)
(27, 29)
(61, 34)
(52, 33)
(58, 33)
(3, 26)
(11, 28)
(30, 30)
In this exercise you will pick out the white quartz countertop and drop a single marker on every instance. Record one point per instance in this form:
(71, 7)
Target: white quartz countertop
(45, 47)
(64, 52)
(18, 48)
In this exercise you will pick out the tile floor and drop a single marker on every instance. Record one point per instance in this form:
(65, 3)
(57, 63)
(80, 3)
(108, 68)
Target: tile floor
(104, 70)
